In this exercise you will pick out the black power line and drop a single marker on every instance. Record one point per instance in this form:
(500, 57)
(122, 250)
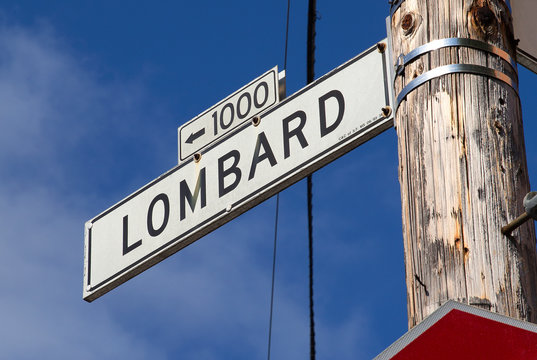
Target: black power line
(277, 203)
(273, 271)
(312, 18)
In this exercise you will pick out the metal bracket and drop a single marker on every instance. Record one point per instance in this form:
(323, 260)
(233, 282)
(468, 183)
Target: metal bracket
(404, 60)
(454, 69)
(399, 66)
(530, 205)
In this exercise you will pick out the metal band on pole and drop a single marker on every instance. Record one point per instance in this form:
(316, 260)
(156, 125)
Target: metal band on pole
(403, 60)
(396, 4)
(454, 69)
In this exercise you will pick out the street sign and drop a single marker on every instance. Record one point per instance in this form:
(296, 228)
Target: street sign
(228, 114)
(309, 129)
(524, 12)
(460, 331)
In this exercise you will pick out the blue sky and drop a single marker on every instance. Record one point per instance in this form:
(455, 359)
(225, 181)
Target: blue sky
(92, 94)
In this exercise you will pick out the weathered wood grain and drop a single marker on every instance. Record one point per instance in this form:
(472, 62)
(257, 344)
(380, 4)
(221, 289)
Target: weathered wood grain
(463, 169)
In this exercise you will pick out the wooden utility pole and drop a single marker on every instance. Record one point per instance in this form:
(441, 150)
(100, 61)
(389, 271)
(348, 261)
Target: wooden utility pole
(462, 159)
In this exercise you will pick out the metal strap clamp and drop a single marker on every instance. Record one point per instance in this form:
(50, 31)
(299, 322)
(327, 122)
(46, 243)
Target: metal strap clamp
(404, 60)
(395, 5)
(454, 69)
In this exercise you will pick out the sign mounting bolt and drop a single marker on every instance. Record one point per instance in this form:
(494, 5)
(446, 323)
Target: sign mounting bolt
(197, 157)
(228, 208)
(381, 47)
(386, 111)
(256, 120)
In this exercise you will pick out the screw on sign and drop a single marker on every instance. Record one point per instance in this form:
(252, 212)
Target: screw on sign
(460, 331)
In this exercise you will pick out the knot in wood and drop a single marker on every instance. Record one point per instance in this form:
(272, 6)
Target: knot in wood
(408, 23)
(485, 20)
(484, 16)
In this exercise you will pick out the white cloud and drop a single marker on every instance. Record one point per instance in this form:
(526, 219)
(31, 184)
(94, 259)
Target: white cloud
(41, 310)
(45, 100)
(42, 90)
(61, 120)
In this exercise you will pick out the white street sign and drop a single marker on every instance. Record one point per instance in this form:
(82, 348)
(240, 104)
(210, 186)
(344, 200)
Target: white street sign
(524, 12)
(237, 108)
(309, 129)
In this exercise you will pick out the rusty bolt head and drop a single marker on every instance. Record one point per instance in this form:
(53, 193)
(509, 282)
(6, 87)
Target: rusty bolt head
(408, 23)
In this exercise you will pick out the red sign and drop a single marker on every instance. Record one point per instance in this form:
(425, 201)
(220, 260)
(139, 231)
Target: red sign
(459, 331)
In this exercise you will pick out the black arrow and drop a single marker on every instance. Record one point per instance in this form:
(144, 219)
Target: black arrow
(194, 136)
